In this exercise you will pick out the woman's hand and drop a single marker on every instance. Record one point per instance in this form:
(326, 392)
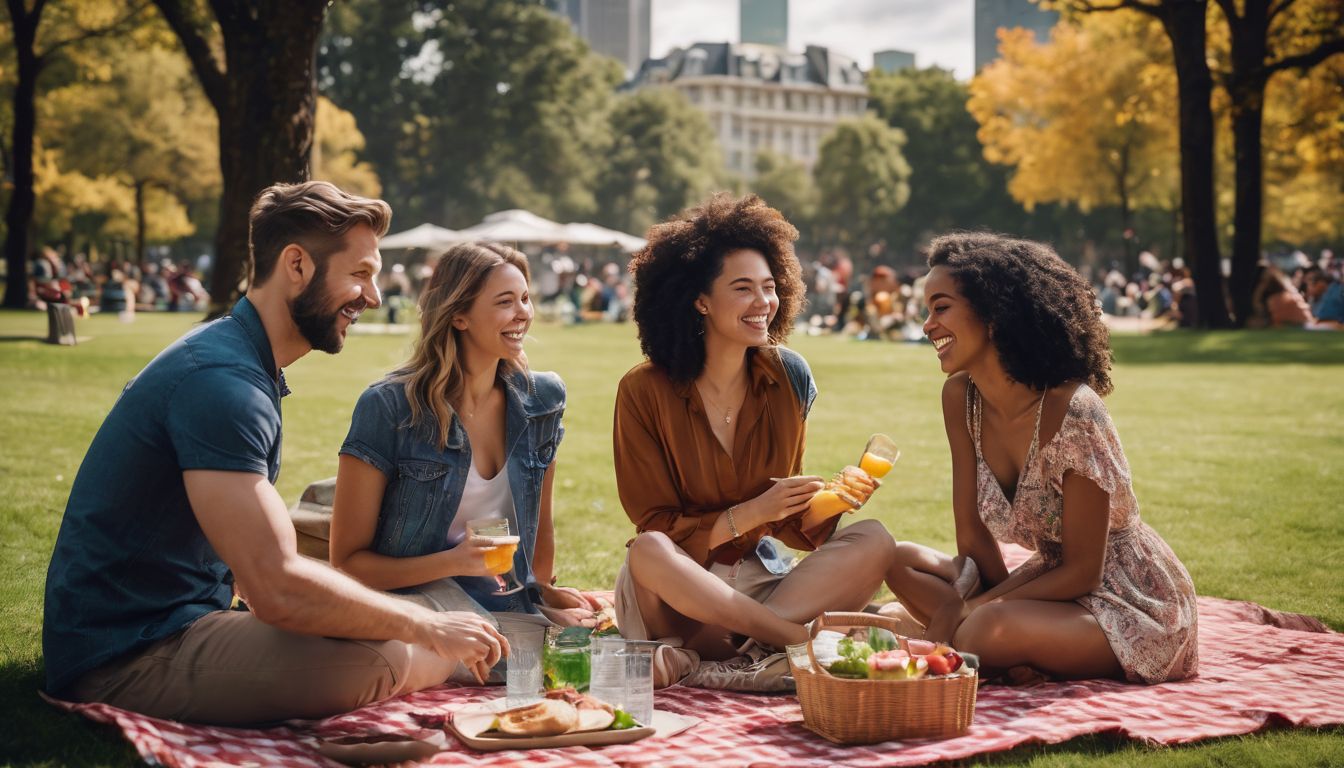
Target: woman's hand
(943, 624)
(568, 607)
(569, 617)
(567, 597)
(789, 496)
(468, 557)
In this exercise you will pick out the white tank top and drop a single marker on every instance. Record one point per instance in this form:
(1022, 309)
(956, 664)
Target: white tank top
(482, 498)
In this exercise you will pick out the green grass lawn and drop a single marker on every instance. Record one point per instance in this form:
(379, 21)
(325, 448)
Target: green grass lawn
(1234, 439)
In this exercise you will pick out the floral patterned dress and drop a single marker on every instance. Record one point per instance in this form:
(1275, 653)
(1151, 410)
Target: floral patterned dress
(1146, 601)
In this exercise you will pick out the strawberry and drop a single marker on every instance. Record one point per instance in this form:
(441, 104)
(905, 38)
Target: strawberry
(938, 665)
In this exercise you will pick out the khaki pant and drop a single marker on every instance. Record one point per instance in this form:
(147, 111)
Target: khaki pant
(840, 570)
(229, 668)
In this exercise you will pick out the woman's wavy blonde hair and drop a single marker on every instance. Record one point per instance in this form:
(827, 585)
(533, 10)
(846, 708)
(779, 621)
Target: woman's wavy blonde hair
(433, 376)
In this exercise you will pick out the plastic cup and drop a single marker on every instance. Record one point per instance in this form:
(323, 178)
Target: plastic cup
(522, 675)
(607, 679)
(638, 697)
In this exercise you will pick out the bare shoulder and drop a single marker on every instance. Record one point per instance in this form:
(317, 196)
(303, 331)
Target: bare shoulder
(954, 390)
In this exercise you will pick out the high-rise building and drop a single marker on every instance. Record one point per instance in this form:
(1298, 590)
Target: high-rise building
(760, 98)
(620, 29)
(893, 60)
(765, 22)
(993, 15)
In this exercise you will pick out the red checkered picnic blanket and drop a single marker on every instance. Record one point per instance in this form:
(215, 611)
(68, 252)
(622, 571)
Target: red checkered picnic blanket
(1257, 667)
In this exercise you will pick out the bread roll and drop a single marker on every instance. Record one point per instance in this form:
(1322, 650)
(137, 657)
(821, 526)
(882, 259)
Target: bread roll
(548, 717)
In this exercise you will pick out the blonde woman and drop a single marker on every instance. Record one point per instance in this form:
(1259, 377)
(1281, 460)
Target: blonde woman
(462, 431)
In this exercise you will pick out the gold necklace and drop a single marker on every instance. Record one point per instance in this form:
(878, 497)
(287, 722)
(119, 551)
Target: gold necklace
(727, 412)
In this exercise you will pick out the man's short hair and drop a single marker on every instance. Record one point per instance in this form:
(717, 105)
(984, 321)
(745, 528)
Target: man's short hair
(313, 214)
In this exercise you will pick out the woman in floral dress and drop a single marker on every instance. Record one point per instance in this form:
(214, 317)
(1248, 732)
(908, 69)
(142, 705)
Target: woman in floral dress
(1036, 461)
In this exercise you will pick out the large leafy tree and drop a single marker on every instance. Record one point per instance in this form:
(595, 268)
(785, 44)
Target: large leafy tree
(1183, 22)
(256, 61)
(785, 184)
(472, 107)
(1304, 156)
(336, 152)
(663, 158)
(952, 185)
(41, 33)
(1088, 118)
(862, 179)
(1266, 37)
(145, 124)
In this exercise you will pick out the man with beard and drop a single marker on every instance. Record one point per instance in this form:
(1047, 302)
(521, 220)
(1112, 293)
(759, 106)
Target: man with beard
(174, 512)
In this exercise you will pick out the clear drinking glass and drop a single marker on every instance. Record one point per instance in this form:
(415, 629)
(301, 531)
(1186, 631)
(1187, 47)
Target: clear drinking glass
(499, 560)
(879, 455)
(522, 675)
(607, 678)
(638, 697)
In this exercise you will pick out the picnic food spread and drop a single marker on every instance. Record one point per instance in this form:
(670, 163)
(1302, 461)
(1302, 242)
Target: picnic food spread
(564, 710)
(860, 660)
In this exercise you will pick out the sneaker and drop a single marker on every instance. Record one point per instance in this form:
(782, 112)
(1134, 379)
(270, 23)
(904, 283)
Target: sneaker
(756, 671)
(672, 664)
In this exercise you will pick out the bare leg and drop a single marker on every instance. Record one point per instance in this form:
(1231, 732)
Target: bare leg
(922, 578)
(1060, 638)
(841, 576)
(668, 582)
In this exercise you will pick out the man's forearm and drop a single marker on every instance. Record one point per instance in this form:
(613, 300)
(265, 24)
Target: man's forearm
(313, 598)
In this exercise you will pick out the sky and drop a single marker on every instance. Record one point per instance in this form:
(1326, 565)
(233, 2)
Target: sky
(939, 32)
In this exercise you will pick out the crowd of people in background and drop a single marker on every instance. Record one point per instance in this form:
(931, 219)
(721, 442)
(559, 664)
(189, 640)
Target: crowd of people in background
(869, 300)
(116, 286)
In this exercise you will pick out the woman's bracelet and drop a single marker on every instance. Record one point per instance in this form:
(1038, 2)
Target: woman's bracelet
(732, 526)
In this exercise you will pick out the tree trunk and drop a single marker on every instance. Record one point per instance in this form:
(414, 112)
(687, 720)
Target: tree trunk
(265, 123)
(140, 222)
(19, 215)
(1247, 122)
(1184, 25)
(1246, 87)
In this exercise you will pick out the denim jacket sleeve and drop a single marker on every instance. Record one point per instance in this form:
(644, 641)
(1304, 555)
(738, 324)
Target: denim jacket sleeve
(373, 430)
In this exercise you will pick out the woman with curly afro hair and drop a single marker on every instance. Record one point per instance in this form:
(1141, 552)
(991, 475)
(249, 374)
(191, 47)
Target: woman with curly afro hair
(709, 436)
(1036, 461)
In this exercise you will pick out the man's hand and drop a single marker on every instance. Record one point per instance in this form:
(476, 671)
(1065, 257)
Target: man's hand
(466, 637)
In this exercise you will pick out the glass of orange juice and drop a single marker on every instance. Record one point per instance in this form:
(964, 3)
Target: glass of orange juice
(499, 559)
(879, 456)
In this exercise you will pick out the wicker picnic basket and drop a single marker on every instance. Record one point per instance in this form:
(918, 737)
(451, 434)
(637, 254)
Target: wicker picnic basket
(847, 711)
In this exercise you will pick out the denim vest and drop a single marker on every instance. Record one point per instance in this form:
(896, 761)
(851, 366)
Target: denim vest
(425, 483)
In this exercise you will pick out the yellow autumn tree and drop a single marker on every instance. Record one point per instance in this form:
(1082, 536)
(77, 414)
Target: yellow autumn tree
(138, 120)
(336, 149)
(1087, 118)
(1304, 156)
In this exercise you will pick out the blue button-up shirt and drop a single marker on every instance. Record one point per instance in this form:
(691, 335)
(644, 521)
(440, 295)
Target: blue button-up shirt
(131, 565)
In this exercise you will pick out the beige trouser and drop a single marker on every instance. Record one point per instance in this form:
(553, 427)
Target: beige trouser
(838, 572)
(230, 668)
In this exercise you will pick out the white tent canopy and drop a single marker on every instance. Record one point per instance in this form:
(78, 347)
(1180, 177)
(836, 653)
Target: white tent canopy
(424, 236)
(516, 226)
(592, 234)
(519, 226)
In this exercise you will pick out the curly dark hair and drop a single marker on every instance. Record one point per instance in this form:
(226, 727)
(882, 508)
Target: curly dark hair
(681, 260)
(1043, 317)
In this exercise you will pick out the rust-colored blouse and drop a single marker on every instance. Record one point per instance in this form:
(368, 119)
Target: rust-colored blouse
(675, 477)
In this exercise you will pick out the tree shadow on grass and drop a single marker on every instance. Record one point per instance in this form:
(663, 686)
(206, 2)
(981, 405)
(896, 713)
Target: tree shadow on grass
(36, 734)
(1230, 347)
